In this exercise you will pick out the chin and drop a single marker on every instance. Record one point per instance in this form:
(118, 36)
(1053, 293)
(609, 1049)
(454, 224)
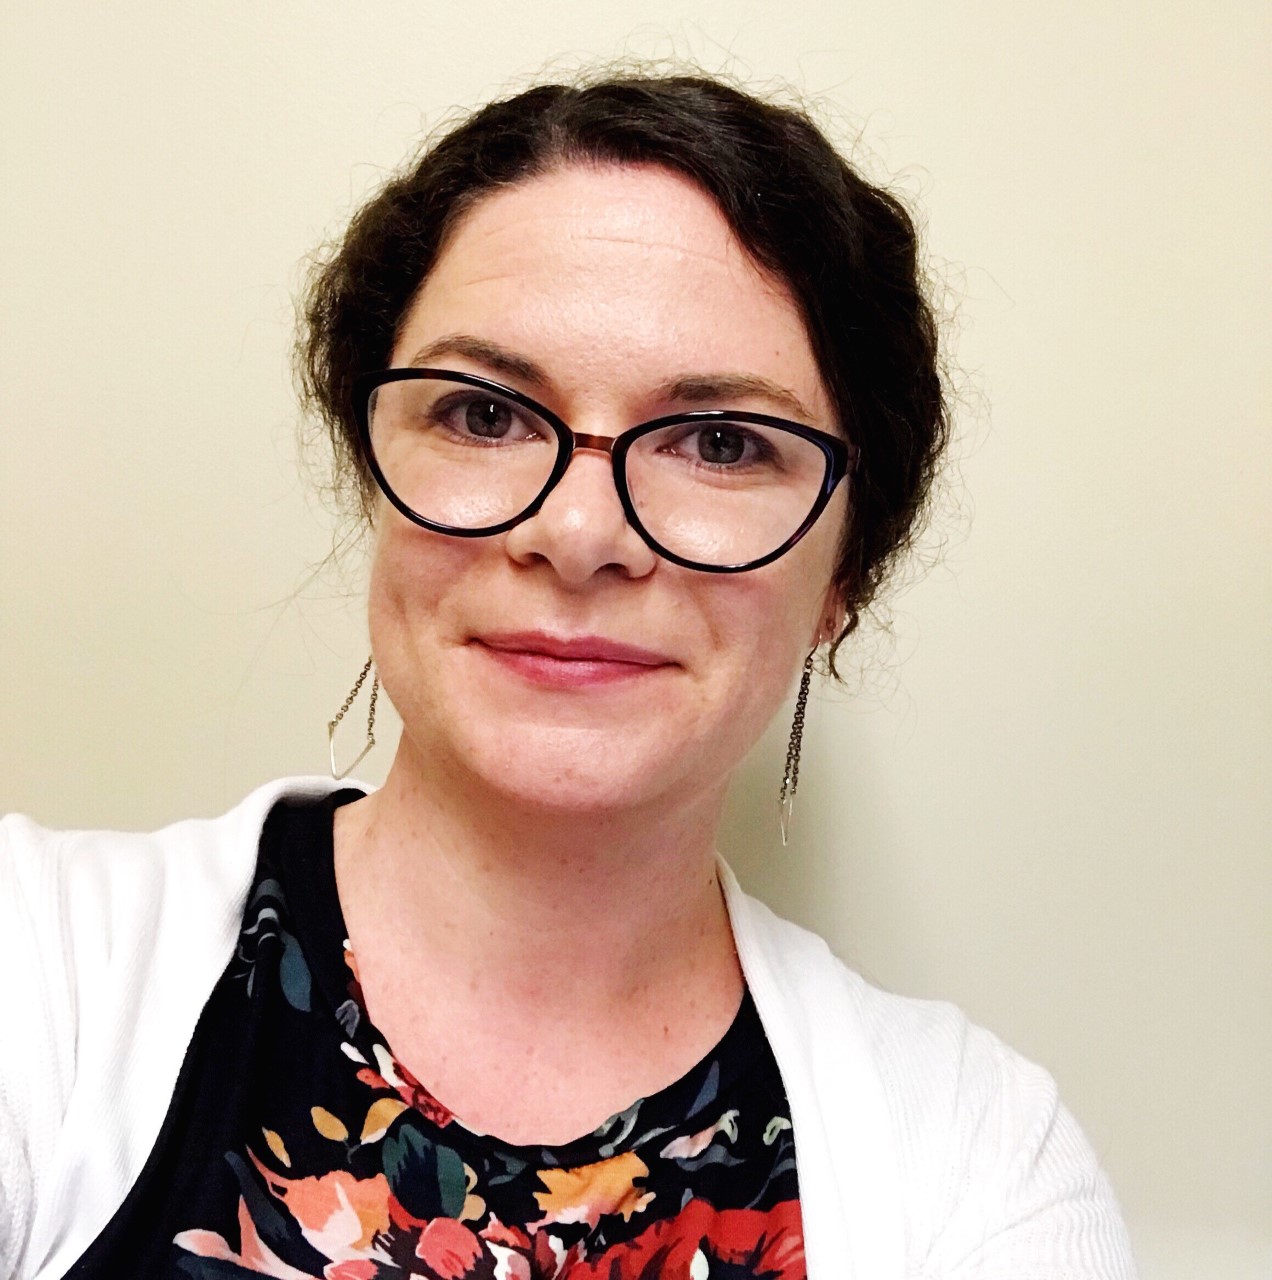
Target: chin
(572, 770)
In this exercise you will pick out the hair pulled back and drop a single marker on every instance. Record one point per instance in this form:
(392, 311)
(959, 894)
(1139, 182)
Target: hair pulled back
(847, 250)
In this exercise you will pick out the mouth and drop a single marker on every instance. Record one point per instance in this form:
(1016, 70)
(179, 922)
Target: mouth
(570, 661)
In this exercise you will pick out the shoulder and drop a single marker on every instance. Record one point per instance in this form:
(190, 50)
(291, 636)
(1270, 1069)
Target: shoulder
(96, 903)
(919, 1044)
(120, 937)
(960, 1143)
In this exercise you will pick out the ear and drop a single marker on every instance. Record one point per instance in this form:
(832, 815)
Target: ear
(830, 619)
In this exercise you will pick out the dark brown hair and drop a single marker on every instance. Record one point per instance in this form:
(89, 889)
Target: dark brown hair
(846, 248)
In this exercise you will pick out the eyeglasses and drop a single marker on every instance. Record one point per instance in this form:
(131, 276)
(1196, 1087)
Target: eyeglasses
(717, 490)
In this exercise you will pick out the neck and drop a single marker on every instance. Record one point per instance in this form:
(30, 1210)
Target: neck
(563, 912)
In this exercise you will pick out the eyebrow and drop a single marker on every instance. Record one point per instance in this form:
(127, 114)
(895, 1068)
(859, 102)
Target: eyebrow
(496, 358)
(694, 388)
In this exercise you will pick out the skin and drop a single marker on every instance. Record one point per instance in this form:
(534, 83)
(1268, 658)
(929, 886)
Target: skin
(532, 896)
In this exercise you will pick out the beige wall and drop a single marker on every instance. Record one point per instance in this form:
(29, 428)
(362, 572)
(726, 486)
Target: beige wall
(1047, 799)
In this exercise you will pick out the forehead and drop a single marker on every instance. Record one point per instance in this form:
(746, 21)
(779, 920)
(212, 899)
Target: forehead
(579, 208)
(613, 272)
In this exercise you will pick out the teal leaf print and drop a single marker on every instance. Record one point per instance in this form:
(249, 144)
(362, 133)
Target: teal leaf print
(293, 975)
(263, 924)
(712, 1155)
(427, 1178)
(348, 1016)
(709, 1091)
(452, 1181)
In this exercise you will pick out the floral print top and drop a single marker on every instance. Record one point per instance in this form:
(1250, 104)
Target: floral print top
(296, 1146)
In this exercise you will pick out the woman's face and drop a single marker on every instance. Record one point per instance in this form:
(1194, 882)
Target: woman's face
(595, 290)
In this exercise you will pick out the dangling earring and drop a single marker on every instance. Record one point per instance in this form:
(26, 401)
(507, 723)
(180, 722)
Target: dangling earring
(340, 715)
(790, 778)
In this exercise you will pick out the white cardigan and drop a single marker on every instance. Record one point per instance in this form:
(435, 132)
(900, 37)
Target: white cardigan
(926, 1148)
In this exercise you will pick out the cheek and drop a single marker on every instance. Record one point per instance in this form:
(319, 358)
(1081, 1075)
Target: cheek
(800, 588)
(412, 572)
(781, 610)
(396, 578)
(764, 620)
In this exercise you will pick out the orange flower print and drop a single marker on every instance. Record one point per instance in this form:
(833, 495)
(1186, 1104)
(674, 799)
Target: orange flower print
(589, 1192)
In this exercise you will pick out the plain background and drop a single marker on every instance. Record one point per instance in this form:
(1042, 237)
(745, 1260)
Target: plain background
(1044, 792)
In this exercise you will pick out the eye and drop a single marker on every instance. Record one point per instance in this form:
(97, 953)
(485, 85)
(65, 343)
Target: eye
(479, 418)
(721, 446)
(489, 418)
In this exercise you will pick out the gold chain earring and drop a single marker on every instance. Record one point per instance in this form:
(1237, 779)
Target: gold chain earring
(790, 776)
(340, 715)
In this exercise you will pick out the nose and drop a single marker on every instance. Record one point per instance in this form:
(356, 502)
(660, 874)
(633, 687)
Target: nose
(581, 529)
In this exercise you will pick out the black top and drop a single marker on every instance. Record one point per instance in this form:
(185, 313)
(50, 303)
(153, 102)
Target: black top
(296, 1146)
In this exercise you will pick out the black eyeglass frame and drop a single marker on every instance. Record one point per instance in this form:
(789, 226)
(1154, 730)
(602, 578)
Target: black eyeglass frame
(841, 458)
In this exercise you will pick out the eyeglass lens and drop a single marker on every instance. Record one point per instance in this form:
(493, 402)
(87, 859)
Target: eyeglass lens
(715, 493)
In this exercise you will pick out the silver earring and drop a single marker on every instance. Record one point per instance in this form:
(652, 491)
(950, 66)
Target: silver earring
(790, 777)
(340, 715)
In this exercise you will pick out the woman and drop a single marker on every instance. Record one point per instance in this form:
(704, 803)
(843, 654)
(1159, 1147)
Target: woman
(639, 392)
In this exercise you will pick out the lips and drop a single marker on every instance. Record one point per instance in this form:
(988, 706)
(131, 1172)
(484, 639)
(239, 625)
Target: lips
(573, 648)
(563, 662)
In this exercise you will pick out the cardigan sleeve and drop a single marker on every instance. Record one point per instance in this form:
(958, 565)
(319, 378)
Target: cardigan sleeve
(1045, 1210)
(37, 1029)
(117, 939)
(1001, 1183)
